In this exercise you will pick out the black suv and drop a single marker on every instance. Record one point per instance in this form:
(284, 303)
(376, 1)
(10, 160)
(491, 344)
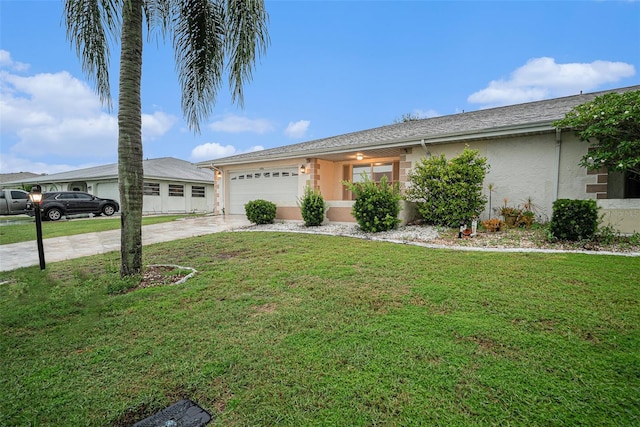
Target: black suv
(57, 204)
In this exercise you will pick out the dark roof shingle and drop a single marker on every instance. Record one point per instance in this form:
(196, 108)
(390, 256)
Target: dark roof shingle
(512, 116)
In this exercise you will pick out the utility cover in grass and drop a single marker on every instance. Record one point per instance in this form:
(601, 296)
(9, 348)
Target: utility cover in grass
(184, 413)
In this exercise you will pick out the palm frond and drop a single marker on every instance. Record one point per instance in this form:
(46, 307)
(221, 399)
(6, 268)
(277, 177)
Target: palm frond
(158, 17)
(199, 50)
(91, 24)
(247, 38)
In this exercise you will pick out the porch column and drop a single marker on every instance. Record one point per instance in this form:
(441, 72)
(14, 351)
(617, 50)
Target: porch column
(314, 173)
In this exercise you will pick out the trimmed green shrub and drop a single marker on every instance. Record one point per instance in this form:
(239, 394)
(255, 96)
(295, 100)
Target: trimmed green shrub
(260, 211)
(312, 207)
(448, 192)
(573, 219)
(377, 204)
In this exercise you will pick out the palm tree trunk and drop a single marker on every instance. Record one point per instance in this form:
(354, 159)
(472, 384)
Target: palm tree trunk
(130, 170)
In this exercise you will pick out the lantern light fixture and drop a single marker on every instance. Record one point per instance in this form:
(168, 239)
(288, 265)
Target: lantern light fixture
(35, 195)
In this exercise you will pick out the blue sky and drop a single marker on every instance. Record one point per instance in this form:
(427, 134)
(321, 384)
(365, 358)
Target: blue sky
(332, 67)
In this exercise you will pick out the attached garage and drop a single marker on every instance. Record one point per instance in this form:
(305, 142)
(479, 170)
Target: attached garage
(107, 190)
(278, 185)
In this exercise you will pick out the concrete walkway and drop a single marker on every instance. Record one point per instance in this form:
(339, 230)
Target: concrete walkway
(25, 254)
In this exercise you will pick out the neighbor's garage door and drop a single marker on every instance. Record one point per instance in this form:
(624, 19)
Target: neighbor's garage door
(279, 186)
(107, 190)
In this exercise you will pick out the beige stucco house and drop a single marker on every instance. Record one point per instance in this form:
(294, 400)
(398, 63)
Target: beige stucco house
(170, 185)
(529, 159)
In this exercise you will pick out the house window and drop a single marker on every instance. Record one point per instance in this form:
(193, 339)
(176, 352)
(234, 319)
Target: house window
(372, 171)
(632, 186)
(618, 185)
(176, 190)
(197, 191)
(151, 189)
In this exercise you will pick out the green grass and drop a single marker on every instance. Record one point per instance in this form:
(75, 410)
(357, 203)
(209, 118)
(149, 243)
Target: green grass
(16, 233)
(282, 329)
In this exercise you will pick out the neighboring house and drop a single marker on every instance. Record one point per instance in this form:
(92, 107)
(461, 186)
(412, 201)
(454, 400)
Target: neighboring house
(170, 185)
(529, 158)
(12, 177)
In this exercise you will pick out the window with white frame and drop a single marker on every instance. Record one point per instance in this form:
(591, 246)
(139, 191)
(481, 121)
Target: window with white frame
(151, 189)
(197, 191)
(176, 190)
(372, 171)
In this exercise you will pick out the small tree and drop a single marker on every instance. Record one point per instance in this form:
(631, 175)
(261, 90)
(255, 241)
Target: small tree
(408, 117)
(312, 207)
(449, 192)
(611, 125)
(377, 204)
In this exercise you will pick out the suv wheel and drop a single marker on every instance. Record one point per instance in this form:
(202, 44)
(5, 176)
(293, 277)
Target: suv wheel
(108, 210)
(53, 214)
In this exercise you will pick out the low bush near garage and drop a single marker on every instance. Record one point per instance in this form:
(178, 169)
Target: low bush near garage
(260, 211)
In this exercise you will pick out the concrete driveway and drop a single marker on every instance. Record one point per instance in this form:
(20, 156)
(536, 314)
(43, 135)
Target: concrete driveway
(25, 254)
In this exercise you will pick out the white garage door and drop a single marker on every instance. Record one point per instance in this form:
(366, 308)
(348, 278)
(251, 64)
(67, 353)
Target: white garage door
(107, 190)
(279, 186)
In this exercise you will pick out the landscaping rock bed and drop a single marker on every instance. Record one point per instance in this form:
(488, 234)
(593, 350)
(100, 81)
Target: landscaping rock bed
(512, 240)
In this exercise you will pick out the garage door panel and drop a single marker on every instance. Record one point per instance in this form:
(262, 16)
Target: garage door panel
(279, 186)
(107, 190)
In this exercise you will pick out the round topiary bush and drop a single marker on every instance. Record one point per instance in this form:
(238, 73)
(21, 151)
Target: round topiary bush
(260, 211)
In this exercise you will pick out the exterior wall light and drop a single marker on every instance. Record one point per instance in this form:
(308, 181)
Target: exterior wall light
(359, 156)
(303, 169)
(36, 198)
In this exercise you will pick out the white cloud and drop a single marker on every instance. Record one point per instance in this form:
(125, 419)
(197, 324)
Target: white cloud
(14, 164)
(213, 150)
(297, 129)
(157, 124)
(237, 124)
(542, 78)
(426, 114)
(55, 114)
(7, 62)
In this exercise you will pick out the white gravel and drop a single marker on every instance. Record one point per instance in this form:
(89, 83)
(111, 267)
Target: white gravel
(424, 236)
(401, 234)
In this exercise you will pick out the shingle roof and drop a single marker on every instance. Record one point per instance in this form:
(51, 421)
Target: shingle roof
(165, 168)
(506, 118)
(9, 177)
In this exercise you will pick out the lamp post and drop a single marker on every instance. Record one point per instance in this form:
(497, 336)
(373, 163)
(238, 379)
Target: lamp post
(36, 197)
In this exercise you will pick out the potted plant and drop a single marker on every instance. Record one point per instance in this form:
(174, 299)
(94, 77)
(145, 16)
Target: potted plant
(526, 219)
(510, 213)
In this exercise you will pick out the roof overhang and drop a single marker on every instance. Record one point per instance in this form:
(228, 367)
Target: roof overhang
(386, 148)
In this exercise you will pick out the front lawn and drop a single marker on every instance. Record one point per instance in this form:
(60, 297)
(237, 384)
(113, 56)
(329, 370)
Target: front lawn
(24, 228)
(296, 330)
